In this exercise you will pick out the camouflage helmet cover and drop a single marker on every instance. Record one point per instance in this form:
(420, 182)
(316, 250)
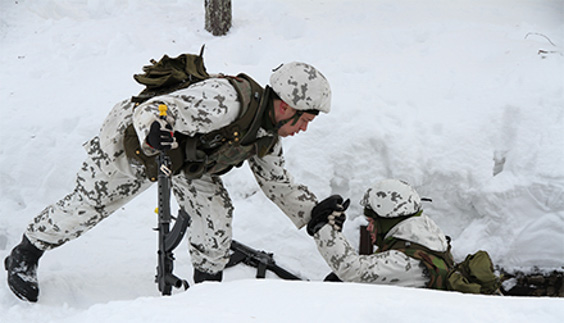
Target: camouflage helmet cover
(392, 198)
(302, 86)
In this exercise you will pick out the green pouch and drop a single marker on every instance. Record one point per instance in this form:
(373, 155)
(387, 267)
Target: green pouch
(474, 275)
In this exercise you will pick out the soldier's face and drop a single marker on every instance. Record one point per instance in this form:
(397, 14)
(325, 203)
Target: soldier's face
(285, 112)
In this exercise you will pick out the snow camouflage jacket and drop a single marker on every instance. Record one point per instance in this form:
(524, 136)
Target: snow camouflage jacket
(203, 107)
(391, 267)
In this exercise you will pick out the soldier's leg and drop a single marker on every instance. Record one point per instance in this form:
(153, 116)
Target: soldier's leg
(206, 200)
(94, 198)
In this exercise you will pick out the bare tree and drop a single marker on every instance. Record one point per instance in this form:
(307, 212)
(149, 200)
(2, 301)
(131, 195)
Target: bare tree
(218, 16)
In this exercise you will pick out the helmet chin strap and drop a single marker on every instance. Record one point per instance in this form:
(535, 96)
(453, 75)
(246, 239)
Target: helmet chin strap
(293, 118)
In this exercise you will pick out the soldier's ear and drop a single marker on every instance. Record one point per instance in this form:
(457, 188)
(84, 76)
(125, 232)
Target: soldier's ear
(283, 106)
(280, 108)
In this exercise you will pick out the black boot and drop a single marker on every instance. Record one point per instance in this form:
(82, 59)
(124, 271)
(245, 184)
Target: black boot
(200, 276)
(332, 277)
(21, 265)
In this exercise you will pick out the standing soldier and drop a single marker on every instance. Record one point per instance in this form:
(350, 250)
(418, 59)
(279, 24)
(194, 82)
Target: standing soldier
(211, 126)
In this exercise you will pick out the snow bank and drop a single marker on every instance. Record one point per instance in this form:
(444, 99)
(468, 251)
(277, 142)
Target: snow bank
(452, 96)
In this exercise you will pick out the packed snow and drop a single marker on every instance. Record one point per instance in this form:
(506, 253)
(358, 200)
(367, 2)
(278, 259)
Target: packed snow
(463, 99)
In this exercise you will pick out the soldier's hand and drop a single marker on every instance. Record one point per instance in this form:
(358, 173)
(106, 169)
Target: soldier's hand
(161, 136)
(331, 210)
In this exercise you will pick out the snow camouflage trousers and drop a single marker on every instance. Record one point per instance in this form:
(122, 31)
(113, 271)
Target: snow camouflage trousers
(97, 195)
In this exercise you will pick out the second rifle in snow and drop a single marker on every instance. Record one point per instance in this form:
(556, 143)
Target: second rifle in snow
(259, 259)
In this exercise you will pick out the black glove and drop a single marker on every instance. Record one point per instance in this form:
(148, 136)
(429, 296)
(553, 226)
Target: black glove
(336, 220)
(331, 210)
(161, 136)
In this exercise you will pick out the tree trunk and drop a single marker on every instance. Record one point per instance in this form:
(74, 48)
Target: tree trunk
(218, 16)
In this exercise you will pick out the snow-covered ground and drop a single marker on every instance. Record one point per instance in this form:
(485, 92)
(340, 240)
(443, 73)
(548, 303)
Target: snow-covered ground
(443, 94)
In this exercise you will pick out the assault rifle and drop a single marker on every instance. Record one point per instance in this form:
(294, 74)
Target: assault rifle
(258, 259)
(168, 240)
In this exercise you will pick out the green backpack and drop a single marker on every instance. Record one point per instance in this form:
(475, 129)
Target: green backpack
(170, 74)
(473, 275)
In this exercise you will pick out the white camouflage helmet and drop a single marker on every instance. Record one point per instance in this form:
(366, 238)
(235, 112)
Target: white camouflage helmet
(302, 86)
(392, 198)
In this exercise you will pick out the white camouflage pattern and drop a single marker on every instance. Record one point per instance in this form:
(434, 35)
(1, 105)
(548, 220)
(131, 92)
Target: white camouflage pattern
(108, 179)
(302, 86)
(391, 267)
(391, 198)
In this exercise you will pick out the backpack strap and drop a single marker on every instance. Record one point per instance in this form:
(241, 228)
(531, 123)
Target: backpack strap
(243, 130)
(438, 264)
(250, 94)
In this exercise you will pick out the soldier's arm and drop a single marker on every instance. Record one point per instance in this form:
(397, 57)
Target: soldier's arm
(294, 199)
(391, 267)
